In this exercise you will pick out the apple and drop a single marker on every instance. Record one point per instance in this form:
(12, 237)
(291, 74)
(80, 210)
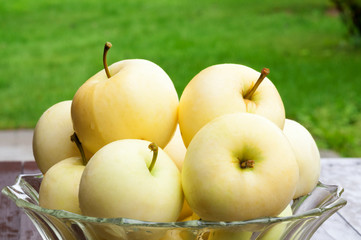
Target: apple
(191, 217)
(59, 190)
(182, 234)
(60, 185)
(185, 212)
(229, 234)
(176, 149)
(51, 139)
(227, 88)
(238, 167)
(179, 234)
(275, 231)
(307, 156)
(132, 99)
(126, 179)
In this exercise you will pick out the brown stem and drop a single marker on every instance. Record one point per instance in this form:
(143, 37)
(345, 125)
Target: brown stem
(74, 138)
(264, 73)
(107, 46)
(247, 164)
(154, 148)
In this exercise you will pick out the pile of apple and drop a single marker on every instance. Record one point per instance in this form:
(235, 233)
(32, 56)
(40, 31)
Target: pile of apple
(125, 146)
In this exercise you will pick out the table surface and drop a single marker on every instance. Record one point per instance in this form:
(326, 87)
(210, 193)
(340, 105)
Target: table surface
(344, 224)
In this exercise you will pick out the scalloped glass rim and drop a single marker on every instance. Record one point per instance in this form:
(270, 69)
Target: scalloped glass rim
(333, 201)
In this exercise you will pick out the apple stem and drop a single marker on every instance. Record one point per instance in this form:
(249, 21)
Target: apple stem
(154, 148)
(247, 164)
(107, 46)
(74, 138)
(264, 73)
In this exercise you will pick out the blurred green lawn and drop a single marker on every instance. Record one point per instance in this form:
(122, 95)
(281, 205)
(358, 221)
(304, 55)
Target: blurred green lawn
(49, 48)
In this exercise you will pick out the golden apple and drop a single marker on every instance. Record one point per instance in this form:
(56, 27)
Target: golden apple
(176, 149)
(52, 137)
(227, 88)
(60, 186)
(132, 99)
(125, 179)
(238, 167)
(307, 156)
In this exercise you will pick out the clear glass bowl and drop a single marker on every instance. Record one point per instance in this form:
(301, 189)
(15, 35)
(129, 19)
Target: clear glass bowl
(309, 212)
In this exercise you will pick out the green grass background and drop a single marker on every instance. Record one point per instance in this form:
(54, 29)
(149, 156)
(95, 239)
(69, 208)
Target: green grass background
(49, 48)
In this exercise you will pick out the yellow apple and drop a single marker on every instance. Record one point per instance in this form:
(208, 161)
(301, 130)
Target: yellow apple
(176, 149)
(51, 140)
(191, 217)
(229, 234)
(125, 179)
(60, 186)
(238, 167)
(179, 234)
(182, 234)
(273, 233)
(185, 212)
(276, 231)
(227, 88)
(133, 99)
(307, 156)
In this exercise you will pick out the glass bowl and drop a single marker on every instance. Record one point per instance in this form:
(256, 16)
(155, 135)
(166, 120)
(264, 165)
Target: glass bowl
(309, 212)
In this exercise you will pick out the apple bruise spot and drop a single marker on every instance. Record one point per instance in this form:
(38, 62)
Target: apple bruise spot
(247, 164)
